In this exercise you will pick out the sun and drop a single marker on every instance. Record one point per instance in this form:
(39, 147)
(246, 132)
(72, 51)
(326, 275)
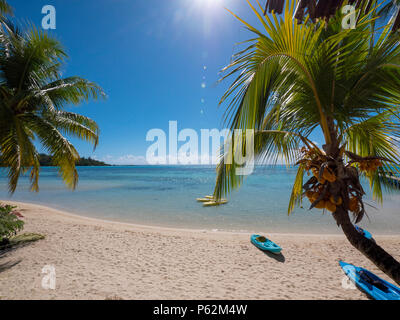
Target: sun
(203, 13)
(207, 4)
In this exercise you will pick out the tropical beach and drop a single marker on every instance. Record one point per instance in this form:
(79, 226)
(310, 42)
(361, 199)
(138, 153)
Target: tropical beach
(132, 249)
(200, 150)
(96, 259)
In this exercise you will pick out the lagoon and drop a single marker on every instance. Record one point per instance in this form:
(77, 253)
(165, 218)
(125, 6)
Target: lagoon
(166, 196)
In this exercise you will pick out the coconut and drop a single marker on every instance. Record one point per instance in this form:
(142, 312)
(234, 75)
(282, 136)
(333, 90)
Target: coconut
(309, 194)
(328, 175)
(321, 204)
(336, 202)
(330, 206)
(314, 197)
(315, 172)
(353, 204)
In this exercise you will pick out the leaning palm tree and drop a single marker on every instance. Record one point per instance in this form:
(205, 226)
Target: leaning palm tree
(33, 95)
(295, 79)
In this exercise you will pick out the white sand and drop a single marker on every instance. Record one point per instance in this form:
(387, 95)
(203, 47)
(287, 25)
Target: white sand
(96, 259)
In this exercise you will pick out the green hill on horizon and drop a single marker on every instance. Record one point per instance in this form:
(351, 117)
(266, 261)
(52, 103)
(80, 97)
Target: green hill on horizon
(46, 161)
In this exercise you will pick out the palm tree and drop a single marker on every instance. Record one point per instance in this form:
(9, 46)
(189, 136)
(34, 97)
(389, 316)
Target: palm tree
(294, 79)
(33, 95)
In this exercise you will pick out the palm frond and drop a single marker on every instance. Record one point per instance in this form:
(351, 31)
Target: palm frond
(73, 124)
(5, 8)
(377, 135)
(63, 153)
(297, 190)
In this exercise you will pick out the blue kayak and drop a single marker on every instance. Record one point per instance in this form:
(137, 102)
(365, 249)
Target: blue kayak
(265, 244)
(371, 284)
(364, 232)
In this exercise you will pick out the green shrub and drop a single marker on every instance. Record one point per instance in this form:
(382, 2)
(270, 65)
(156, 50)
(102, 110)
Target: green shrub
(10, 222)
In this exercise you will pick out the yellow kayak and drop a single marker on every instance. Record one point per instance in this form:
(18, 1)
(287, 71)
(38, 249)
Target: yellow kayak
(214, 203)
(205, 199)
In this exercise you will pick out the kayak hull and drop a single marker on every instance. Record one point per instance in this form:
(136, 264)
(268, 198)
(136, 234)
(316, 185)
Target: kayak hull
(385, 291)
(214, 203)
(265, 246)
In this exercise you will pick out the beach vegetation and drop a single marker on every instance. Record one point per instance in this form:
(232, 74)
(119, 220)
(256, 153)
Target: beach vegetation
(10, 223)
(298, 77)
(47, 161)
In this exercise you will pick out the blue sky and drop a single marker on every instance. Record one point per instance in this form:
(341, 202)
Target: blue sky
(151, 57)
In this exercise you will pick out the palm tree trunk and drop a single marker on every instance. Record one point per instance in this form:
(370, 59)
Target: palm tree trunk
(383, 260)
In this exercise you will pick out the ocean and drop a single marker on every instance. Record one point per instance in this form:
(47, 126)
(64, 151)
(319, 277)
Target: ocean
(166, 196)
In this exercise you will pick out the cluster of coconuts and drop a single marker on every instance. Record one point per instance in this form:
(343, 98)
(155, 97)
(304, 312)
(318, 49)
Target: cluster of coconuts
(329, 202)
(370, 166)
(327, 175)
(313, 161)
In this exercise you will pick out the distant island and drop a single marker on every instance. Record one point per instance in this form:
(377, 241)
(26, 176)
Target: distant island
(46, 161)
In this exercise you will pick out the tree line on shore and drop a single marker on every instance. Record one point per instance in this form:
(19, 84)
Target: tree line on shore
(47, 161)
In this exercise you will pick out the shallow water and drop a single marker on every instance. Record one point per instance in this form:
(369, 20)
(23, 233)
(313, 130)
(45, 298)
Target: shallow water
(165, 196)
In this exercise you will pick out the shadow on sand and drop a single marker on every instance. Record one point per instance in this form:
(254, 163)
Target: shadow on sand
(278, 257)
(8, 265)
(4, 253)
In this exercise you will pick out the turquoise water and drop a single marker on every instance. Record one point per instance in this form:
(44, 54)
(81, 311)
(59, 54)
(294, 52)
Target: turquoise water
(165, 196)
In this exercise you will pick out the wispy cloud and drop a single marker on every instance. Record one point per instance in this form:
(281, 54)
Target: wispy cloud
(128, 159)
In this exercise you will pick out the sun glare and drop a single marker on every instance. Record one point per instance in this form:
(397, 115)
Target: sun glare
(207, 4)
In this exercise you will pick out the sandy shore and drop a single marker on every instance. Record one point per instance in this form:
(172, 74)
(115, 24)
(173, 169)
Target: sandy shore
(96, 259)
